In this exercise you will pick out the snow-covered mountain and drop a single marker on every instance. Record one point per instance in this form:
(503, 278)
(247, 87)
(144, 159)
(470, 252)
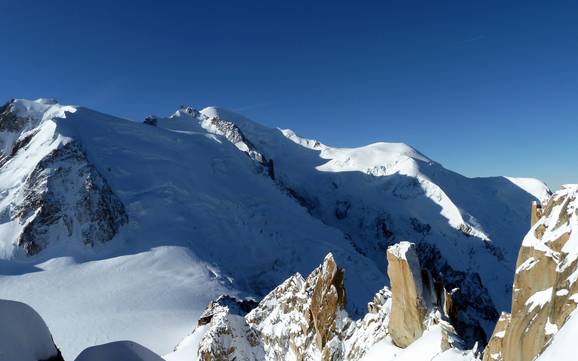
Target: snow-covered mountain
(112, 228)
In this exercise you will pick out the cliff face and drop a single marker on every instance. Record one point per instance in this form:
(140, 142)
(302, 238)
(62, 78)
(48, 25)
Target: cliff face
(545, 290)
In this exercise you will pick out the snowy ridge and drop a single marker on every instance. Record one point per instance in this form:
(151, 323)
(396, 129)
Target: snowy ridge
(387, 192)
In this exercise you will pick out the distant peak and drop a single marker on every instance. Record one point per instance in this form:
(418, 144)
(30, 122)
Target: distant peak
(186, 111)
(46, 101)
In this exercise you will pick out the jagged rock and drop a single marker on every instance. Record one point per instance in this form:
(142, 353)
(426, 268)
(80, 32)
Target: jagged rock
(66, 197)
(9, 120)
(545, 290)
(327, 299)
(228, 337)
(409, 308)
(301, 319)
(234, 306)
(462, 296)
(305, 319)
(311, 310)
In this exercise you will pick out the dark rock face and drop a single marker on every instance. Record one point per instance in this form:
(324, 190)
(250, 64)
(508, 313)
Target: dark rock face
(234, 305)
(151, 120)
(9, 121)
(66, 197)
(470, 307)
(234, 135)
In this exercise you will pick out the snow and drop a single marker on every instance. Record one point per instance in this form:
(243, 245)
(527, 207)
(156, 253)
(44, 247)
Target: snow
(118, 351)
(550, 328)
(562, 346)
(23, 334)
(119, 298)
(400, 249)
(187, 349)
(475, 222)
(539, 299)
(205, 220)
(562, 292)
(427, 347)
(534, 186)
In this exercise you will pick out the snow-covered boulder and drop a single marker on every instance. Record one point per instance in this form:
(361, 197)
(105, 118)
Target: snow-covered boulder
(545, 290)
(118, 351)
(23, 334)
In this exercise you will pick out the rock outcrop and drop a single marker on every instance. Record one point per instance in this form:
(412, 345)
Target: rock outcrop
(545, 290)
(66, 197)
(305, 319)
(409, 308)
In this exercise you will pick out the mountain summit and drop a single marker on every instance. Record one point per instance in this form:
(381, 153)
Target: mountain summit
(111, 228)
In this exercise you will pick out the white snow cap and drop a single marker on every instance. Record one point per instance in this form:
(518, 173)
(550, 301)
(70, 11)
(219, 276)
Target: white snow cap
(401, 249)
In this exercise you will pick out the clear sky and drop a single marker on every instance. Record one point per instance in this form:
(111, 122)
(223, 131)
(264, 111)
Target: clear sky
(483, 87)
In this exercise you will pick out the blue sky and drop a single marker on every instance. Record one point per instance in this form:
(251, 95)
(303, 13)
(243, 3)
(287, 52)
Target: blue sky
(483, 87)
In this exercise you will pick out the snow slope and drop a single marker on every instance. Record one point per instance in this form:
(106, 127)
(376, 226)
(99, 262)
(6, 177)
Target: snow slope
(216, 203)
(425, 348)
(386, 192)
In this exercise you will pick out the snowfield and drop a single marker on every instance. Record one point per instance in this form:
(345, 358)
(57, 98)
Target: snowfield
(218, 204)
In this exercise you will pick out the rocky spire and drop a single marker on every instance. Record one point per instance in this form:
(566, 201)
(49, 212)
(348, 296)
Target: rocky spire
(409, 309)
(545, 290)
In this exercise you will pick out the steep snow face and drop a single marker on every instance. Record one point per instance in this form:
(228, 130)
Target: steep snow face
(386, 192)
(51, 193)
(24, 335)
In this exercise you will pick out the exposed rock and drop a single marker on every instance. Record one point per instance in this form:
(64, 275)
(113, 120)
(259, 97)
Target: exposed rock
(228, 337)
(462, 296)
(305, 319)
(66, 197)
(151, 120)
(409, 308)
(311, 310)
(545, 282)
